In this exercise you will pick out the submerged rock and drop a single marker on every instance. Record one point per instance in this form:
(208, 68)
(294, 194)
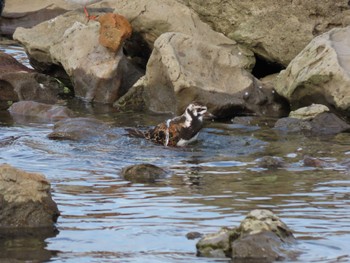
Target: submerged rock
(261, 236)
(25, 199)
(271, 162)
(40, 110)
(319, 74)
(17, 82)
(79, 129)
(143, 173)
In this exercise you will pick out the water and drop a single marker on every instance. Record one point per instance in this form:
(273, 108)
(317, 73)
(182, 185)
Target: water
(213, 183)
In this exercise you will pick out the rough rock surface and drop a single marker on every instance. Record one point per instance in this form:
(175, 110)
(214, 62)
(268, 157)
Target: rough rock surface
(25, 199)
(143, 173)
(40, 110)
(260, 236)
(22, 13)
(320, 73)
(18, 82)
(183, 69)
(114, 30)
(150, 19)
(73, 43)
(79, 129)
(257, 24)
(307, 113)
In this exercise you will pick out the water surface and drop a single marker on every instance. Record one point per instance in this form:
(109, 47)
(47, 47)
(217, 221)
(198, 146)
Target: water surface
(212, 183)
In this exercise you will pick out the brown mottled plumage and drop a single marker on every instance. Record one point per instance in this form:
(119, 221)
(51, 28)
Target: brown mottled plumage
(178, 131)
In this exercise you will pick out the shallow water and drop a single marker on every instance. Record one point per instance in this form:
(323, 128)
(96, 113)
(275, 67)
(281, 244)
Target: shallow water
(214, 182)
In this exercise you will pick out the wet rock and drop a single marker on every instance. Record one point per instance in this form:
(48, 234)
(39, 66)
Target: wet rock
(114, 30)
(312, 122)
(314, 162)
(319, 74)
(25, 199)
(79, 129)
(271, 162)
(18, 82)
(40, 110)
(308, 113)
(8, 140)
(254, 23)
(143, 173)
(175, 77)
(70, 41)
(260, 236)
(193, 235)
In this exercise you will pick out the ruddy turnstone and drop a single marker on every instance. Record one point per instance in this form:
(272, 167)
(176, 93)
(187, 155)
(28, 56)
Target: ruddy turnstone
(85, 3)
(178, 131)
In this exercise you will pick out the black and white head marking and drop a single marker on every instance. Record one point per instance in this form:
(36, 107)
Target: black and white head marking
(194, 111)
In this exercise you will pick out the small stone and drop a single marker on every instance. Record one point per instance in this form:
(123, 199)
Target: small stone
(310, 112)
(143, 173)
(193, 235)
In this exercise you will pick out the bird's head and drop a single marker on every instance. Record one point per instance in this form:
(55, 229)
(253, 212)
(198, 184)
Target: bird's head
(197, 111)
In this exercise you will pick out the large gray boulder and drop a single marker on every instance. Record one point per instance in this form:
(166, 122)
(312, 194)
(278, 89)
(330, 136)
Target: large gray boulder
(25, 200)
(183, 69)
(275, 30)
(150, 19)
(320, 73)
(71, 42)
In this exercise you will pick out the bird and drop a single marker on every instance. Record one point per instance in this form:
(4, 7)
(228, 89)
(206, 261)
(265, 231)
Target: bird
(2, 4)
(85, 3)
(178, 131)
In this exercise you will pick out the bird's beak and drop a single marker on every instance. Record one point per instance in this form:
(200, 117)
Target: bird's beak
(208, 116)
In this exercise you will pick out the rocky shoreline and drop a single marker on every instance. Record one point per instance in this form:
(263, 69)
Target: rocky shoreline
(159, 56)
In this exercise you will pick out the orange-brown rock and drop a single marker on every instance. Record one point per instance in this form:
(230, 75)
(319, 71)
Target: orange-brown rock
(113, 31)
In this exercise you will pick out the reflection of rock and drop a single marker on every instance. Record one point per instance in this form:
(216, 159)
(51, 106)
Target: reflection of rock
(25, 199)
(314, 119)
(320, 73)
(183, 69)
(33, 246)
(260, 236)
(18, 82)
(143, 173)
(114, 30)
(79, 129)
(40, 110)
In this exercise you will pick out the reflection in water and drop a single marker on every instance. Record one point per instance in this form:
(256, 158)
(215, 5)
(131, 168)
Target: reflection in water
(26, 244)
(214, 182)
